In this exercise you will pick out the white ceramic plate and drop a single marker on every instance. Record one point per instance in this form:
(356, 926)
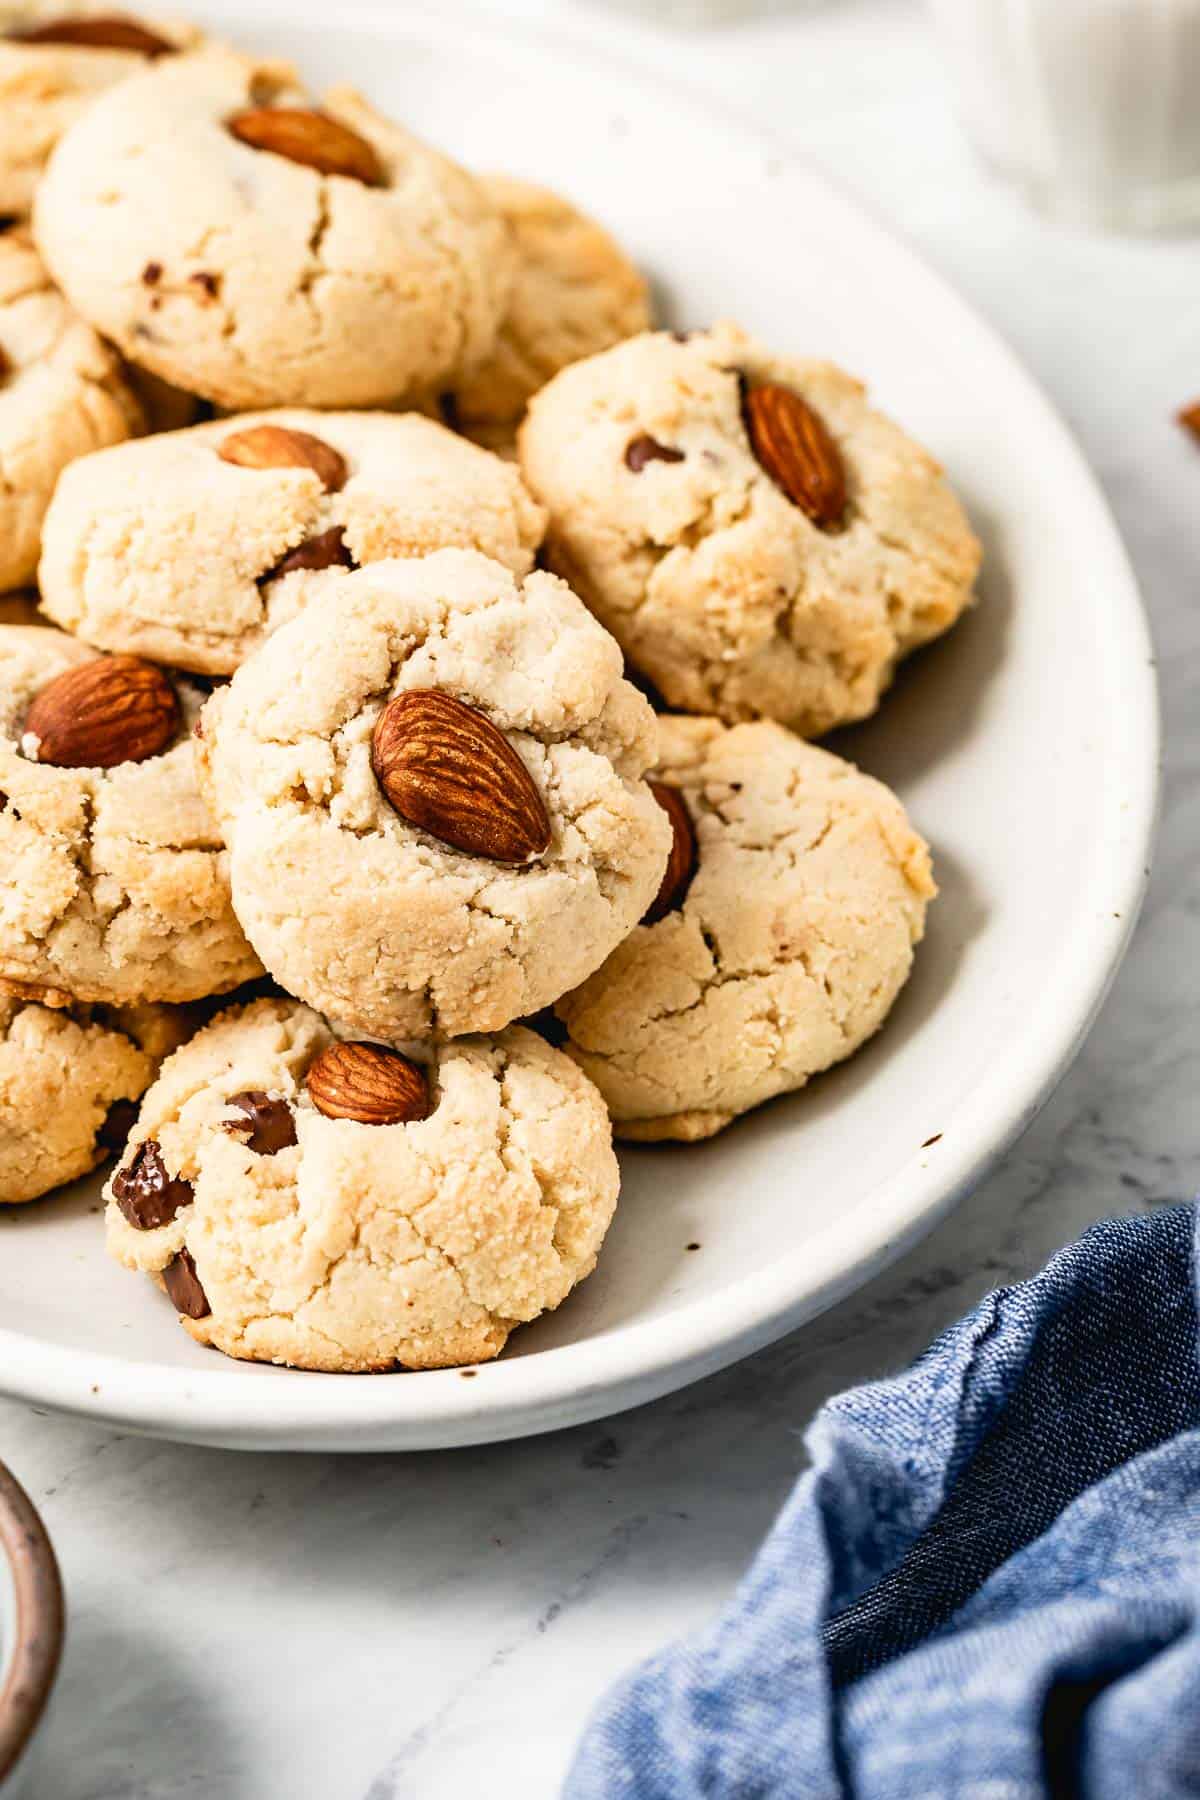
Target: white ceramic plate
(1025, 746)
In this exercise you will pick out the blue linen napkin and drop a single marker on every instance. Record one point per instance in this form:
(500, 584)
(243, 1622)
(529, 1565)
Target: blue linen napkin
(987, 1585)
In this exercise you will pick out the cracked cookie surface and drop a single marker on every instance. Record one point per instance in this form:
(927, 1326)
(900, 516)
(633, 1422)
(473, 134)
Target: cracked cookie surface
(66, 1077)
(372, 919)
(255, 280)
(163, 549)
(792, 941)
(116, 880)
(45, 87)
(62, 394)
(717, 584)
(574, 293)
(355, 1246)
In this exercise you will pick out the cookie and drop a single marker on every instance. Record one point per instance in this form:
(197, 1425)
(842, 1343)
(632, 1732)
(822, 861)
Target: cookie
(574, 293)
(797, 893)
(69, 1081)
(191, 548)
(259, 252)
(56, 57)
(431, 787)
(759, 540)
(116, 881)
(62, 393)
(337, 1206)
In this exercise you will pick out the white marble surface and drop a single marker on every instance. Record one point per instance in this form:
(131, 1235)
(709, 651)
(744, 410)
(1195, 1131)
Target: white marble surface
(247, 1627)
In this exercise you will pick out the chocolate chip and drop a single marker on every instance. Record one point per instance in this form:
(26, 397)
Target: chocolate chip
(183, 1288)
(5, 365)
(145, 1193)
(448, 407)
(267, 1125)
(152, 274)
(3, 802)
(645, 449)
(327, 550)
(113, 1135)
(209, 284)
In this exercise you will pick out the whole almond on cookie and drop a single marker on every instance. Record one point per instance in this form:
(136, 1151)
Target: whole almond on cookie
(115, 709)
(100, 32)
(792, 444)
(447, 769)
(681, 863)
(304, 135)
(278, 447)
(369, 1084)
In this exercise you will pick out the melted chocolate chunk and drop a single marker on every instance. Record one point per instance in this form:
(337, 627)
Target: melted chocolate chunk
(267, 1125)
(145, 1193)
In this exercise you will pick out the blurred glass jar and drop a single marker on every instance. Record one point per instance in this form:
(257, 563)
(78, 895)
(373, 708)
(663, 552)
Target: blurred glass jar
(1090, 107)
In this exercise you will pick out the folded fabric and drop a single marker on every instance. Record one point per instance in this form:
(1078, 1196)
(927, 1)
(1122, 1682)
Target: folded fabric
(987, 1584)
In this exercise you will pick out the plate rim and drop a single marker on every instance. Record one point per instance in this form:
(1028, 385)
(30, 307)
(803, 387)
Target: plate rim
(638, 1361)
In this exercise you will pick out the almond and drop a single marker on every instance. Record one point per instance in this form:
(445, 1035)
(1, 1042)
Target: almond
(304, 135)
(367, 1083)
(101, 32)
(278, 447)
(681, 863)
(793, 445)
(116, 709)
(446, 769)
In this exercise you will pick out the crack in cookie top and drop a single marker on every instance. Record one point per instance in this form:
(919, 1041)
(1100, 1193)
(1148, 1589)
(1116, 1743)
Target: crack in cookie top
(758, 538)
(256, 269)
(451, 869)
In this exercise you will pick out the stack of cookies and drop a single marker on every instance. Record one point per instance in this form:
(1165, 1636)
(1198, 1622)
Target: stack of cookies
(358, 882)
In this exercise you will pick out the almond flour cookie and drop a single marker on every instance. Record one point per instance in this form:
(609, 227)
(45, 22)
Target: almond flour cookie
(192, 547)
(756, 537)
(116, 885)
(575, 292)
(62, 393)
(431, 790)
(337, 1206)
(259, 251)
(56, 57)
(784, 931)
(69, 1081)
